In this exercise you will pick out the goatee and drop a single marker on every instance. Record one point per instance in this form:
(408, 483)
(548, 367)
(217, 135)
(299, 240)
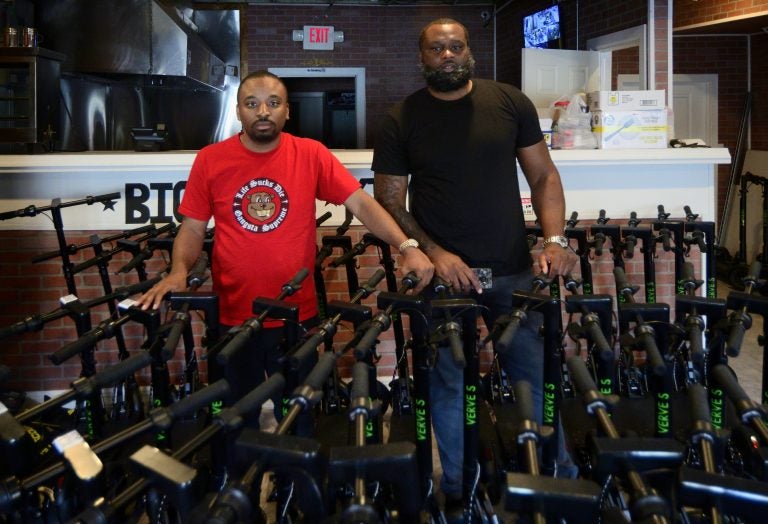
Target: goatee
(446, 81)
(262, 136)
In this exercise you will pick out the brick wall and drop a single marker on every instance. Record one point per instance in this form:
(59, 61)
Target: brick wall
(727, 57)
(760, 92)
(384, 40)
(30, 289)
(694, 12)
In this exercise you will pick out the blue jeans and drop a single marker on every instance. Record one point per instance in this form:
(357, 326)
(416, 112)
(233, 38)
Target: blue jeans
(524, 360)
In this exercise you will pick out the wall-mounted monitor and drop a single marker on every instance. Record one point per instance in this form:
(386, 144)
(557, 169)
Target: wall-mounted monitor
(542, 29)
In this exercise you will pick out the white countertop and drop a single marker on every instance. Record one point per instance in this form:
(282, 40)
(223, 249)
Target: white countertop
(352, 158)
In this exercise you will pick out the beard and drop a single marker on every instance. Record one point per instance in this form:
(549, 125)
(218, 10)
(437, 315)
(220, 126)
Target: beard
(446, 81)
(263, 136)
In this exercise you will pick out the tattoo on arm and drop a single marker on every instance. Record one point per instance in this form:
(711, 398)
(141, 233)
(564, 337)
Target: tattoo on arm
(390, 194)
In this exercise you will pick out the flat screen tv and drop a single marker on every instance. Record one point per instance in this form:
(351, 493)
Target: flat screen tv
(542, 29)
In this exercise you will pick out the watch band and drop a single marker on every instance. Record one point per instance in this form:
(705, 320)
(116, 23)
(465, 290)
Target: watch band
(411, 242)
(560, 240)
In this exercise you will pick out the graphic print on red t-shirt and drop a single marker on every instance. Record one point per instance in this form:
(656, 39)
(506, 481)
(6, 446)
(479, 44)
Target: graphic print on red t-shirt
(261, 205)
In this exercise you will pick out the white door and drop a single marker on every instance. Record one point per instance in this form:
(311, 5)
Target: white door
(547, 74)
(694, 104)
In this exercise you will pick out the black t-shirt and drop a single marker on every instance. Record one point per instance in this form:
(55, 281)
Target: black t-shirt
(461, 157)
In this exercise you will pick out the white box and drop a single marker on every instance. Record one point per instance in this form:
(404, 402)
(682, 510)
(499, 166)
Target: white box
(630, 129)
(626, 100)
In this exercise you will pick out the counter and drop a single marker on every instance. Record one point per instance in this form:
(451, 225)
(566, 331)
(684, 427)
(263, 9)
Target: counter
(151, 184)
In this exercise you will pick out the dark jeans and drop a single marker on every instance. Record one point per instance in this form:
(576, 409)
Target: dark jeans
(524, 361)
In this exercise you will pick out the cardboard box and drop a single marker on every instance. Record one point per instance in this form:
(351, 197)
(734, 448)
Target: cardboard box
(626, 100)
(630, 129)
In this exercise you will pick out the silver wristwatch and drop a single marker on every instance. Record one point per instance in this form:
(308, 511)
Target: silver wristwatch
(560, 240)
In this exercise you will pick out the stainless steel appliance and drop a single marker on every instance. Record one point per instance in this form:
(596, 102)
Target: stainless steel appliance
(29, 95)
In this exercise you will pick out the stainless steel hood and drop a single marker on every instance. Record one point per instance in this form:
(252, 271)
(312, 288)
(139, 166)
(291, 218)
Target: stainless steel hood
(128, 37)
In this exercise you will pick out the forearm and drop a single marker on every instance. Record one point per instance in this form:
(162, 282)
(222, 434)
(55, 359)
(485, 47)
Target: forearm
(549, 205)
(375, 218)
(390, 193)
(187, 247)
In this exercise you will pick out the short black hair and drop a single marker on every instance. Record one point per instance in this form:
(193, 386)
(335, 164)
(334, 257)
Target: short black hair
(261, 73)
(442, 21)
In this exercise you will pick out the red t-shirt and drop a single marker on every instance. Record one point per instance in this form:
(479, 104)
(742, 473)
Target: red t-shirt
(263, 205)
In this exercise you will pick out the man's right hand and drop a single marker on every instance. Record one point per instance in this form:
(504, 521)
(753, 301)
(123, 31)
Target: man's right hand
(453, 270)
(154, 297)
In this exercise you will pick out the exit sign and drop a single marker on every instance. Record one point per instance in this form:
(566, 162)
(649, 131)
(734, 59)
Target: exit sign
(318, 37)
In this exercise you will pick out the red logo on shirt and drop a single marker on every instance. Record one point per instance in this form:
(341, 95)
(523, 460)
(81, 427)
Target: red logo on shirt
(261, 205)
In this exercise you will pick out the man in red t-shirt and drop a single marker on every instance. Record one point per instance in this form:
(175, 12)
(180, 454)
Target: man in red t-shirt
(260, 187)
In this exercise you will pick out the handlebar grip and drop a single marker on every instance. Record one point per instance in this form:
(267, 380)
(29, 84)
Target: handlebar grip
(70, 249)
(368, 339)
(291, 287)
(251, 402)
(322, 218)
(697, 396)
(508, 334)
(573, 220)
(136, 261)
(629, 246)
(689, 277)
(196, 275)
(360, 381)
(724, 376)
(235, 345)
(754, 271)
(580, 375)
(409, 281)
(344, 258)
(596, 335)
(665, 240)
(199, 399)
(321, 371)
(622, 285)
(122, 369)
(524, 400)
(456, 345)
(31, 323)
(306, 350)
(652, 353)
(439, 285)
(323, 253)
(86, 341)
(599, 242)
(695, 340)
(700, 241)
(174, 335)
(740, 322)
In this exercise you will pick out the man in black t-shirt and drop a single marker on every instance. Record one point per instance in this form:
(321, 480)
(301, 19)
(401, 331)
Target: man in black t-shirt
(459, 139)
